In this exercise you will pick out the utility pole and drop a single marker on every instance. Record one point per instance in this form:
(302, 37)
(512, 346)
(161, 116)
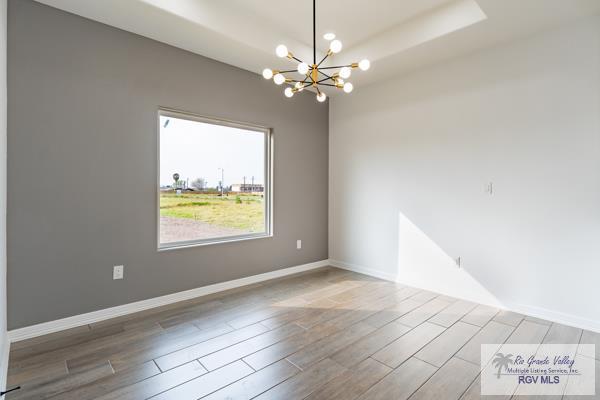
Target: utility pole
(252, 188)
(244, 185)
(222, 180)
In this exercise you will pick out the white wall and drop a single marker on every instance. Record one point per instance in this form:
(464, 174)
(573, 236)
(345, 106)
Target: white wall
(410, 160)
(3, 335)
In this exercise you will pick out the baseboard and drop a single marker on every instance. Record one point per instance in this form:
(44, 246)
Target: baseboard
(4, 353)
(555, 316)
(362, 270)
(532, 311)
(108, 313)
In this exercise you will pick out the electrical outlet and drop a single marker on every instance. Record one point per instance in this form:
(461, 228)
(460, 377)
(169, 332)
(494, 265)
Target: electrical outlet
(118, 272)
(489, 188)
(458, 261)
(298, 244)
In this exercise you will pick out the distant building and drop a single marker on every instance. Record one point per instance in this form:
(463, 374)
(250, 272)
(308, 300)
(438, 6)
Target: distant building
(181, 184)
(247, 188)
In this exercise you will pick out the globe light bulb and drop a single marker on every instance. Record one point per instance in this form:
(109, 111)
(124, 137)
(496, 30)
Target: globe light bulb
(335, 46)
(279, 79)
(329, 36)
(321, 97)
(299, 86)
(345, 72)
(348, 87)
(303, 68)
(364, 64)
(281, 51)
(267, 73)
(288, 92)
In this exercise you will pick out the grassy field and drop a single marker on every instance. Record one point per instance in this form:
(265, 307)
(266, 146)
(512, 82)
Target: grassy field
(245, 212)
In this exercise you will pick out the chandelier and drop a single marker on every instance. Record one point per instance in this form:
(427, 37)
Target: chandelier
(315, 75)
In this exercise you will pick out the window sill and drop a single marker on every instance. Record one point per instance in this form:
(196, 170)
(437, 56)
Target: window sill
(209, 242)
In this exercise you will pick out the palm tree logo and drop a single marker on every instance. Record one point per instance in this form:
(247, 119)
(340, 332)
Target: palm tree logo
(502, 360)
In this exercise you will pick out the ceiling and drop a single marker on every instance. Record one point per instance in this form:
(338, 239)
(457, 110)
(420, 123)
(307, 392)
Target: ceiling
(398, 36)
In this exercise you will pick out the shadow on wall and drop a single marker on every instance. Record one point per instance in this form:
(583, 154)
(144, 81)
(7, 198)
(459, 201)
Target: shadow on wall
(424, 264)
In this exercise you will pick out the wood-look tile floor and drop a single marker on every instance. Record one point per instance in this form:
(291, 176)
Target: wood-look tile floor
(326, 334)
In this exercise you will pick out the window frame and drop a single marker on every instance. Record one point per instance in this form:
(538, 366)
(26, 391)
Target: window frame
(268, 171)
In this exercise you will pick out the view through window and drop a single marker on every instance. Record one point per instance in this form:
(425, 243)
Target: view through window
(213, 180)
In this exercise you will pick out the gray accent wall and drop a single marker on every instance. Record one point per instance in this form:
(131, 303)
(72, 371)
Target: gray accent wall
(3, 335)
(82, 166)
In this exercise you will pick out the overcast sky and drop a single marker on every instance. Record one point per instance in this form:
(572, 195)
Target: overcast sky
(198, 150)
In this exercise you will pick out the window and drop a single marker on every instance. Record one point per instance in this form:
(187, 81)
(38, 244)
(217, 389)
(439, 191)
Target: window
(214, 180)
